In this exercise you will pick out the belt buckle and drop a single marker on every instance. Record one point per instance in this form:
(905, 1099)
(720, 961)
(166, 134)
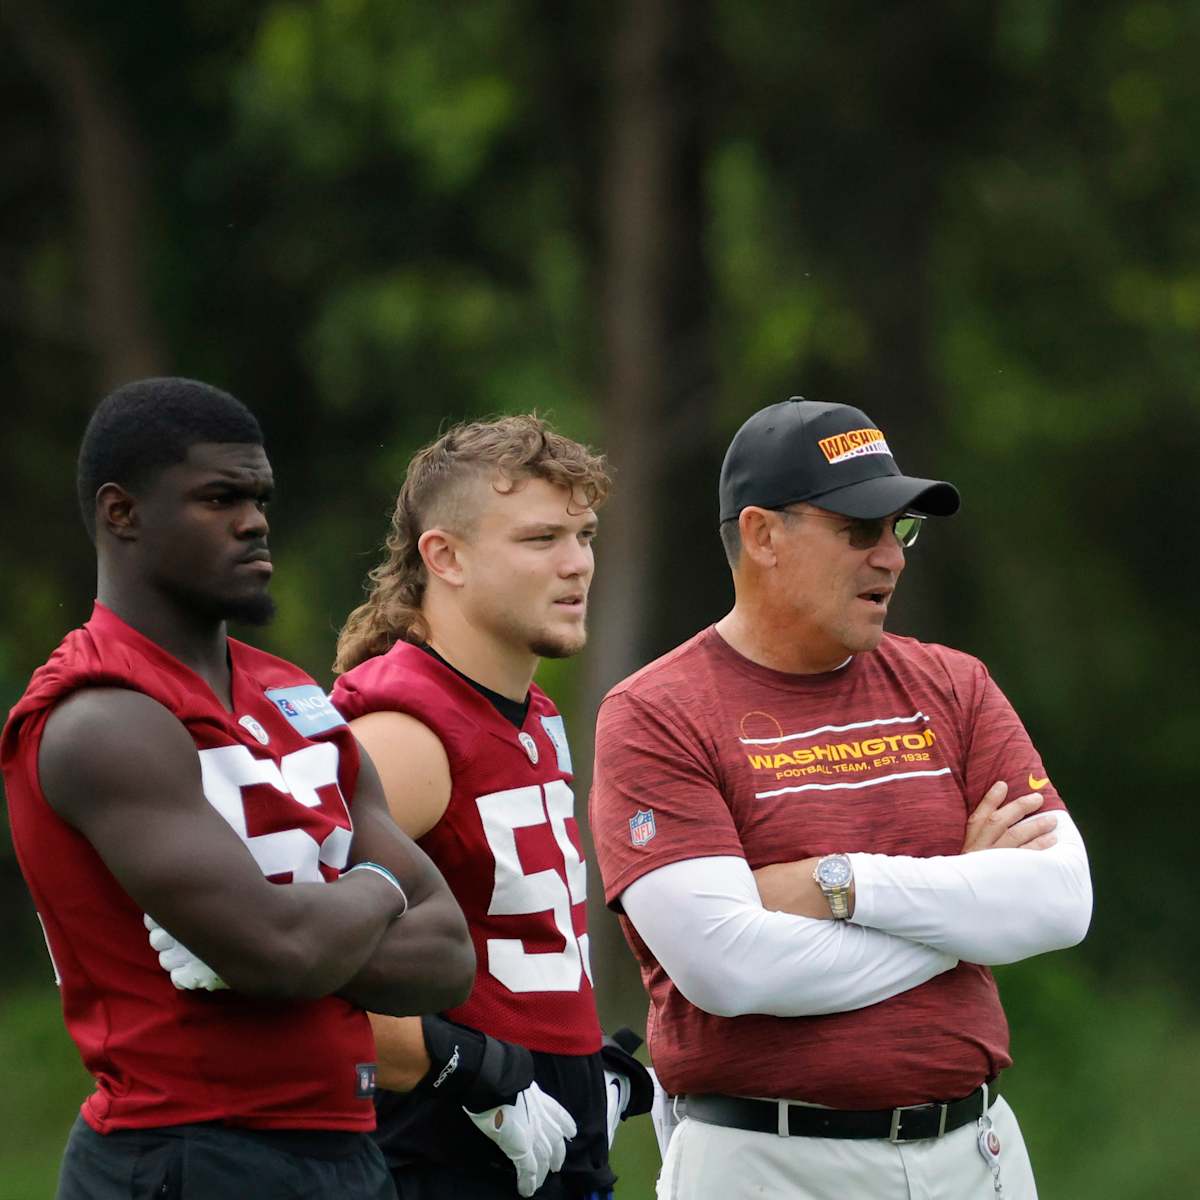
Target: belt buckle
(898, 1119)
(784, 1129)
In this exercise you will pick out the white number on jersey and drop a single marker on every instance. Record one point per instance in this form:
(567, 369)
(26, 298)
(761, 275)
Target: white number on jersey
(225, 770)
(519, 894)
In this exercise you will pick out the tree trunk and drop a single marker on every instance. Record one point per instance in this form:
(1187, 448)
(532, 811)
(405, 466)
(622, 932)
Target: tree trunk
(658, 385)
(112, 195)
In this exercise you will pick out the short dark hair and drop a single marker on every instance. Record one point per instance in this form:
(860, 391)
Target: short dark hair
(145, 426)
(731, 540)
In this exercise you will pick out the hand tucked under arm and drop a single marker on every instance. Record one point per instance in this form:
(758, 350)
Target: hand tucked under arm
(790, 886)
(703, 920)
(188, 972)
(997, 906)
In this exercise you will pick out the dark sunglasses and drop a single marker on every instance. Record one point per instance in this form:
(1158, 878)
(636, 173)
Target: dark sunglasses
(865, 532)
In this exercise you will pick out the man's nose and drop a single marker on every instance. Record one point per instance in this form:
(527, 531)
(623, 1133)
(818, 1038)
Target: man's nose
(252, 521)
(577, 561)
(888, 554)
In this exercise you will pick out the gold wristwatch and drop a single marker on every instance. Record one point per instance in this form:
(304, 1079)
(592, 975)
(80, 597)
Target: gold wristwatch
(834, 875)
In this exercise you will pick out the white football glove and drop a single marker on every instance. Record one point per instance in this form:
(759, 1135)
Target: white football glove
(532, 1131)
(618, 1091)
(188, 973)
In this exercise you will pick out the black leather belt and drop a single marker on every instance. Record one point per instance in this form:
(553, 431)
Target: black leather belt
(910, 1123)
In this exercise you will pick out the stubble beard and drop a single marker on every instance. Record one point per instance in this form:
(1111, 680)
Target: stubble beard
(254, 608)
(859, 640)
(544, 640)
(565, 645)
(251, 610)
(545, 647)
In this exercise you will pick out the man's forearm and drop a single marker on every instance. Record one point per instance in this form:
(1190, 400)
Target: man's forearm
(993, 907)
(304, 940)
(422, 964)
(401, 1056)
(426, 961)
(703, 920)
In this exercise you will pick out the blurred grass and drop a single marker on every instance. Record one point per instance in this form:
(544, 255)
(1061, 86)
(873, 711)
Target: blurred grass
(1104, 1081)
(44, 1085)
(635, 1159)
(1103, 1086)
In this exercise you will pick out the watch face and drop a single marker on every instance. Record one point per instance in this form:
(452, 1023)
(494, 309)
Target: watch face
(834, 872)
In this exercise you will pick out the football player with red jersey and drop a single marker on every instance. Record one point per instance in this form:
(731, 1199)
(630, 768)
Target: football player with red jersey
(165, 779)
(488, 568)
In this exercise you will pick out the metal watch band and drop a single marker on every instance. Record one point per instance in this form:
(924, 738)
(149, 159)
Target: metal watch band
(836, 895)
(839, 902)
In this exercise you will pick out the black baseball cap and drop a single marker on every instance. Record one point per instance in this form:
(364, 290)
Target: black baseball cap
(830, 455)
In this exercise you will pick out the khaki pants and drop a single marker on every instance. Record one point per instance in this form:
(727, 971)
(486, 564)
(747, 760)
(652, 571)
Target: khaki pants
(710, 1162)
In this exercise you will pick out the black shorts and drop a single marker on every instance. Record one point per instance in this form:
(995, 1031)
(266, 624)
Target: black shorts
(434, 1151)
(440, 1182)
(216, 1162)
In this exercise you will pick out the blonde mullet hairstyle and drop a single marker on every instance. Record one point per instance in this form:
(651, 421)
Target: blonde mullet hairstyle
(502, 449)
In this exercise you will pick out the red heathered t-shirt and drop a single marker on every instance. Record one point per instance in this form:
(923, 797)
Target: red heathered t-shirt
(706, 753)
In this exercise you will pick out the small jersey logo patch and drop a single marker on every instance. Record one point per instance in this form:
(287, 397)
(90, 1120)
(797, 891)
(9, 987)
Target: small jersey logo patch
(307, 708)
(556, 731)
(641, 827)
(256, 731)
(530, 746)
(364, 1080)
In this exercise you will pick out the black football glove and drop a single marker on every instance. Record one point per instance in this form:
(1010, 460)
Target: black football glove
(471, 1068)
(493, 1081)
(628, 1085)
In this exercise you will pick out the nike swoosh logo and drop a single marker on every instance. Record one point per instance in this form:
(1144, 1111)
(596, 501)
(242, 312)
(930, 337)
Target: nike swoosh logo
(1038, 784)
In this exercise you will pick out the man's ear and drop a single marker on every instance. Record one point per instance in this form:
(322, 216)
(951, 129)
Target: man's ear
(116, 512)
(439, 553)
(758, 528)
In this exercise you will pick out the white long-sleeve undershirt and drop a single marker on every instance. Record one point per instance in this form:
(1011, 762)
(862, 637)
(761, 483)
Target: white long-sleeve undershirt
(914, 918)
(704, 921)
(991, 907)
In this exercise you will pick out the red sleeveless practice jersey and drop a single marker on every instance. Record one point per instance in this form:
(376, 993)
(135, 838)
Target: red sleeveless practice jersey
(280, 769)
(508, 845)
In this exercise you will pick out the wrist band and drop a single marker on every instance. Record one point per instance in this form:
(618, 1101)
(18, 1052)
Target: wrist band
(382, 871)
(470, 1068)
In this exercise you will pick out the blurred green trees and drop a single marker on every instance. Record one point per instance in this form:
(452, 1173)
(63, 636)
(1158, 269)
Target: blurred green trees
(368, 218)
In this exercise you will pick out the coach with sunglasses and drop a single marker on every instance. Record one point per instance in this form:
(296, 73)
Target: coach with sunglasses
(819, 836)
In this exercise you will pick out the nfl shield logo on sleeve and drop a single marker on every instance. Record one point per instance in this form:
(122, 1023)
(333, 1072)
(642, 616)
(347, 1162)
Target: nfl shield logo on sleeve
(641, 826)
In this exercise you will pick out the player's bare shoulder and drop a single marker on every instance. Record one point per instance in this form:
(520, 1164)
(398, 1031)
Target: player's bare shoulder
(107, 743)
(412, 764)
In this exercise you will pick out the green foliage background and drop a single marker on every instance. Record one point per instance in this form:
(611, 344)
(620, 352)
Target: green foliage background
(369, 218)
